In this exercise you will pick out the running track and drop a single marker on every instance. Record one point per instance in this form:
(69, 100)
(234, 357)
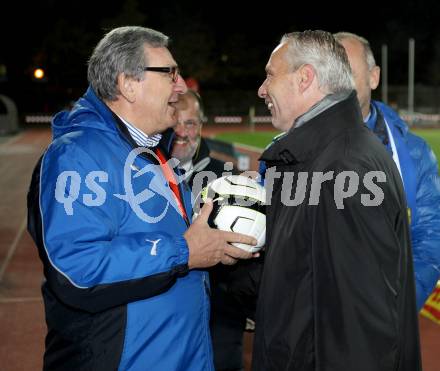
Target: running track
(21, 310)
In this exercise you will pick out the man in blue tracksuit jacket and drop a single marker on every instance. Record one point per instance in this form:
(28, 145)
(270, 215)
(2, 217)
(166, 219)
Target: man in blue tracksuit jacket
(418, 167)
(414, 159)
(113, 225)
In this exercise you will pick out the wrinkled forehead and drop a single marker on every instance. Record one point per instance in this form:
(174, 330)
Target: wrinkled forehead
(187, 101)
(278, 60)
(159, 57)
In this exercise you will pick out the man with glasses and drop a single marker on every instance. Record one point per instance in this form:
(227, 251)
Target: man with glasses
(173, 71)
(188, 145)
(228, 314)
(125, 286)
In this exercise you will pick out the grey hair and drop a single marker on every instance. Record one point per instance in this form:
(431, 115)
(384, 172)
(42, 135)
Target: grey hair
(196, 96)
(327, 57)
(368, 53)
(121, 51)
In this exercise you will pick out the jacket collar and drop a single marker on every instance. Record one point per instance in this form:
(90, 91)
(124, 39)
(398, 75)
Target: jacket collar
(199, 161)
(202, 152)
(201, 158)
(324, 104)
(391, 117)
(305, 142)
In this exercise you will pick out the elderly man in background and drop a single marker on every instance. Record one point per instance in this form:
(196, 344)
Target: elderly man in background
(414, 158)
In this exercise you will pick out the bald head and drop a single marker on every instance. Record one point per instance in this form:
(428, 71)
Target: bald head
(191, 99)
(365, 72)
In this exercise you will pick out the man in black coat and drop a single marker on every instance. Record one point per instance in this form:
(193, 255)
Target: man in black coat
(228, 314)
(337, 290)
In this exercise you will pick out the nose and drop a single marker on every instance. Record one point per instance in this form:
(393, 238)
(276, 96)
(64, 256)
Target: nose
(262, 92)
(180, 129)
(180, 86)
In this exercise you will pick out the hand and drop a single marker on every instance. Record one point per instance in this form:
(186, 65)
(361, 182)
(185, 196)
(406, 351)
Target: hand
(230, 258)
(208, 246)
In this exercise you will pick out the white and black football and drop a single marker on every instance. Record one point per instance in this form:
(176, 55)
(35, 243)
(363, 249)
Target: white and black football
(238, 206)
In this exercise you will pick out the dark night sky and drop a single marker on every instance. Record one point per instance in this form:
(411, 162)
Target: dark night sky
(224, 45)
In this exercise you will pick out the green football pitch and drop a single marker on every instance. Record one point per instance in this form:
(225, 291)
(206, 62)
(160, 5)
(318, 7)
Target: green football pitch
(263, 138)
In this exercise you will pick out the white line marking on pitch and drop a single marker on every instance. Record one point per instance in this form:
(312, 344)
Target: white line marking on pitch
(250, 148)
(20, 300)
(12, 249)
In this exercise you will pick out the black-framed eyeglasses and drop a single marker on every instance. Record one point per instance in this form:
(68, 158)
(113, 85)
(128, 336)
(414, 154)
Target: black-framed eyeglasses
(172, 71)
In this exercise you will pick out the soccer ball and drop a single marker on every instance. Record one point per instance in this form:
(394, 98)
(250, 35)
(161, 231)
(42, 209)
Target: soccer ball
(238, 206)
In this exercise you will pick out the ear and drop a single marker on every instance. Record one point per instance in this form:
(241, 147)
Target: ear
(305, 77)
(374, 77)
(126, 87)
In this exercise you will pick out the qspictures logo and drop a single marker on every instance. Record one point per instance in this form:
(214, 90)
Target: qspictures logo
(294, 186)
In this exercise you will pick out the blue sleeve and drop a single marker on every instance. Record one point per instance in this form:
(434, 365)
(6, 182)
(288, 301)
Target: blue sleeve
(426, 227)
(90, 264)
(262, 171)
